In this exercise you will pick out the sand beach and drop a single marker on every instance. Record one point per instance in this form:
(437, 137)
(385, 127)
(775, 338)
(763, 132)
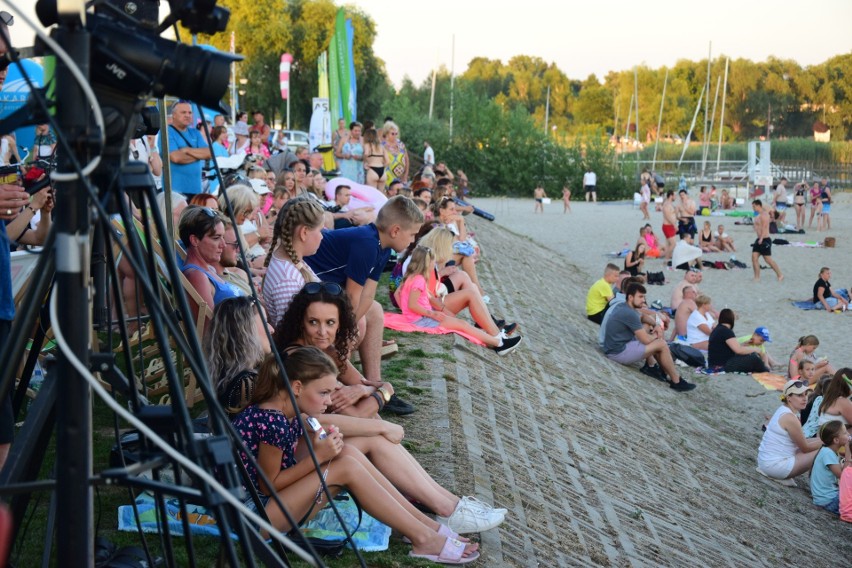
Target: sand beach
(598, 464)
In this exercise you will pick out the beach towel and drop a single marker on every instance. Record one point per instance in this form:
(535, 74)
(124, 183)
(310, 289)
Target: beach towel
(399, 323)
(770, 381)
(810, 305)
(372, 535)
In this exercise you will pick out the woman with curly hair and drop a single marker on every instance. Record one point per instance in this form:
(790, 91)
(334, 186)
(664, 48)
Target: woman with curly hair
(234, 345)
(320, 315)
(297, 234)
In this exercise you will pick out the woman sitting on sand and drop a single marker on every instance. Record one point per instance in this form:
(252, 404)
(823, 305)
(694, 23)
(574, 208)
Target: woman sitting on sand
(724, 242)
(805, 351)
(634, 262)
(726, 201)
(706, 239)
(700, 324)
(654, 249)
(784, 451)
(725, 351)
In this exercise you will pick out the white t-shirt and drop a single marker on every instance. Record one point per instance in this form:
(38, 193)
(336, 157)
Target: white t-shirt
(693, 334)
(590, 178)
(429, 156)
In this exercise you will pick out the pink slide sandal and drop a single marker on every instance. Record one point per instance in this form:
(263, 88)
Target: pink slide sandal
(452, 553)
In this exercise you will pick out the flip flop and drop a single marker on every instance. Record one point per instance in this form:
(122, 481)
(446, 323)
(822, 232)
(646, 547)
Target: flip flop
(452, 553)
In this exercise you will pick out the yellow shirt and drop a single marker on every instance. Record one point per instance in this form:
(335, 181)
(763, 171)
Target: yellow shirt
(598, 297)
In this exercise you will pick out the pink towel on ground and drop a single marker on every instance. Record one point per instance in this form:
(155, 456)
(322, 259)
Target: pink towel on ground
(399, 323)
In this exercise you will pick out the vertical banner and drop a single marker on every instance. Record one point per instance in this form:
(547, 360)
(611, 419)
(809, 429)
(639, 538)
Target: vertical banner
(353, 88)
(322, 76)
(339, 43)
(320, 131)
(334, 83)
(284, 75)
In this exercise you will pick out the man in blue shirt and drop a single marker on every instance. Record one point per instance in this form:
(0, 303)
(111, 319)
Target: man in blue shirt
(187, 151)
(355, 259)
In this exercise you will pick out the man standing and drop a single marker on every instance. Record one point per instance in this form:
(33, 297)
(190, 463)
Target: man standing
(781, 200)
(627, 341)
(187, 151)
(669, 223)
(763, 245)
(686, 214)
(590, 182)
(428, 155)
(260, 126)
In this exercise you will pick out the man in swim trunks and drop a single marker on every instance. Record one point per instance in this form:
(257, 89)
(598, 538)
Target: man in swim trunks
(686, 214)
(763, 245)
(539, 195)
(669, 223)
(781, 200)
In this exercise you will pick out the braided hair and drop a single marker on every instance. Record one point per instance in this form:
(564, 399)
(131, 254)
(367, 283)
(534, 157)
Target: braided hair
(298, 211)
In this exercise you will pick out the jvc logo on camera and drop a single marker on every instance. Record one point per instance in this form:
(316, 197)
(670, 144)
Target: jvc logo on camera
(117, 71)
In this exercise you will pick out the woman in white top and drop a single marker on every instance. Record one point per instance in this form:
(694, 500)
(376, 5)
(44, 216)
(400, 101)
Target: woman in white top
(700, 324)
(784, 451)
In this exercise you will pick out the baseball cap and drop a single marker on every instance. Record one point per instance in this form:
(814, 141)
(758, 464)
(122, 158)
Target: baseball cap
(763, 333)
(795, 387)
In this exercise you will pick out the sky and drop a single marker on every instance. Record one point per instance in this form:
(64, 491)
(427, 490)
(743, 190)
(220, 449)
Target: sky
(594, 36)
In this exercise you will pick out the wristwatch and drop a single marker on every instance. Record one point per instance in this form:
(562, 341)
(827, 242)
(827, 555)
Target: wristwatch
(385, 394)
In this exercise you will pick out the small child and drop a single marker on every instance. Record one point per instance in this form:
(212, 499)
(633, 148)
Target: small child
(422, 309)
(827, 468)
(566, 199)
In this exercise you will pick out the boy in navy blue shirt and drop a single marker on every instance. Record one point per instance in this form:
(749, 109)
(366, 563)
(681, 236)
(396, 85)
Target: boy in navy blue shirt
(355, 259)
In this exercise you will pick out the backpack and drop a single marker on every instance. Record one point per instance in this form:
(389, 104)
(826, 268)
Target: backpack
(658, 278)
(689, 355)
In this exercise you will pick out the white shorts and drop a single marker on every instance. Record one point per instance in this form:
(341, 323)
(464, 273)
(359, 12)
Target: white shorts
(779, 468)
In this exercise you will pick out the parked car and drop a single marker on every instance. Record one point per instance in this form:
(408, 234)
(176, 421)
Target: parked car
(295, 138)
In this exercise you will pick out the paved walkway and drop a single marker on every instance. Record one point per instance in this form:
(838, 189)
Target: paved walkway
(598, 464)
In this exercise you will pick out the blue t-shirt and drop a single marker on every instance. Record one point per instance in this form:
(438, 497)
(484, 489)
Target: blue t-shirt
(354, 253)
(7, 302)
(186, 178)
(823, 482)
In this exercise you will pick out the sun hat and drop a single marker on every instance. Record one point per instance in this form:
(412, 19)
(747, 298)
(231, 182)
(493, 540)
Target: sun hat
(763, 333)
(795, 387)
(241, 129)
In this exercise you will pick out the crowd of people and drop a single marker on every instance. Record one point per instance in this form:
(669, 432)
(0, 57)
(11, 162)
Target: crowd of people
(807, 434)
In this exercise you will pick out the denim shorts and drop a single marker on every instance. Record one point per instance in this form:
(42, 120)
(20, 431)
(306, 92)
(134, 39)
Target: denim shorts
(832, 506)
(426, 322)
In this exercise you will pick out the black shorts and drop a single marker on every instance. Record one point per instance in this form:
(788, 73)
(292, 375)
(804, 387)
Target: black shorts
(590, 188)
(7, 417)
(445, 280)
(763, 248)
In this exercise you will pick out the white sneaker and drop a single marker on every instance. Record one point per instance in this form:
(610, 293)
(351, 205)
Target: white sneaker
(473, 516)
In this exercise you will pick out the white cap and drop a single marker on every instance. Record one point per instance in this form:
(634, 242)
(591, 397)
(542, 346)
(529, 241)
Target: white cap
(259, 186)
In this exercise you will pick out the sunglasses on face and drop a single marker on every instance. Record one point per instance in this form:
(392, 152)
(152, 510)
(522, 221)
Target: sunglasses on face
(332, 288)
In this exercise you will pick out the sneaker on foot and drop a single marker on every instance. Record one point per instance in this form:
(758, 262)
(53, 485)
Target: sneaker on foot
(655, 372)
(472, 516)
(398, 406)
(682, 385)
(509, 328)
(509, 345)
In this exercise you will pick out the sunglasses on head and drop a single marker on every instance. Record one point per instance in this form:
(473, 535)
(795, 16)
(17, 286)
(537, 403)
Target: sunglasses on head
(332, 288)
(209, 212)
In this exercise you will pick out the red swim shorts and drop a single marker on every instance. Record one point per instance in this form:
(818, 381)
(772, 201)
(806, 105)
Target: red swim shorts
(669, 231)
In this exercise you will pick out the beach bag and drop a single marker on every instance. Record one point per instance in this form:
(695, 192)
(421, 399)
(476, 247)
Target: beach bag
(689, 355)
(658, 278)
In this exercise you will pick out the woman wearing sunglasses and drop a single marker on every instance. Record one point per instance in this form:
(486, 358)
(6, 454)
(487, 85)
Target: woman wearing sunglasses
(202, 231)
(784, 452)
(321, 316)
